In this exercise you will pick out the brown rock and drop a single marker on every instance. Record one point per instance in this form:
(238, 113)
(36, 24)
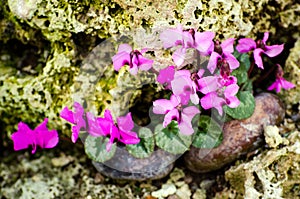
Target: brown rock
(239, 136)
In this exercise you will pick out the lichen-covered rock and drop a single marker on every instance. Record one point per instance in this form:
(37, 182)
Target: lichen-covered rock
(30, 98)
(43, 45)
(239, 136)
(292, 71)
(276, 171)
(60, 175)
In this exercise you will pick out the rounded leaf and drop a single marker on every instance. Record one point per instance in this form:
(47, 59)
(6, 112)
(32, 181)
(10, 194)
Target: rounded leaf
(146, 145)
(95, 148)
(171, 140)
(246, 107)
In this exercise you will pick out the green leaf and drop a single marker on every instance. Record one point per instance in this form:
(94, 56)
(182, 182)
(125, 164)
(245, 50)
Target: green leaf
(95, 148)
(246, 107)
(146, 145)
(171, 140)
(209, 133)
(241, 73)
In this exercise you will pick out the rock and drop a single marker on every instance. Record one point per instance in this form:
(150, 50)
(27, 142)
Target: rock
(292, 72)
(125, 166)
(239, 136)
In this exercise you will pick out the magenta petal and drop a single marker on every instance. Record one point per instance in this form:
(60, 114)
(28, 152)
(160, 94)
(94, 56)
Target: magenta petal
(190, 112)
(120, 59)
(79, 121)
(171, 115)
(194, 98)
(286, 85)
(124, 48)
(109, 145)
(134, 69)
(68, 115)
(257, 57)
(232, 61)
(185, 128)
(274, 50)
(178, 56)
(245, 45)
(187, 115)
(200, 73)
(274, 85)
(129, 137)
(233, 102)
(46, 138)
(184, 98)
(94, 126)
(107, 115)
(208, 100)
(23, 138)
(75, 133)
(125, 123)
(213, 60)
(281, 82)
(166, 75)
(204, 43)
(227, 45)
(229, 93)
(188, 41)
(42, 126)
(226, 81)
(171, 37)
(144, 63)
(231, 90)
(211, 100)
(181, 84)
(115, 133)
(162, 106)
(179, 73)
(266, 36)
(105, 125)
(208, 84)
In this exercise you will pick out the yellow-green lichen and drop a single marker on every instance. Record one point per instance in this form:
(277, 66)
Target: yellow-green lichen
(31, 98)
(62, 33)
(292, 70)
(272, 174)
(50, 176)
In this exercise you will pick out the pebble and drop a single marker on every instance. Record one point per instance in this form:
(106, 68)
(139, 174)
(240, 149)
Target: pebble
(239, 136)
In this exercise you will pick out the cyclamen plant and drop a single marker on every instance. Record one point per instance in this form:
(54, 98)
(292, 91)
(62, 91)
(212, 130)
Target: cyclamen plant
(223, 84)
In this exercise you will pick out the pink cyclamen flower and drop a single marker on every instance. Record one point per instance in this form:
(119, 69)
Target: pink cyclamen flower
(201, 41)
(223, 55)
(219, 91)
(133, 58)
(174, 111)
(166, 75)
(260, 47)
(280, 82)
(185, 85)
(120, 131)
(40, 136)
(76, 118)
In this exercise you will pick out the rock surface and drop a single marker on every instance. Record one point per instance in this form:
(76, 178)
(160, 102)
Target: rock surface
(239, 136)
(125, 166)
(44, 44)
